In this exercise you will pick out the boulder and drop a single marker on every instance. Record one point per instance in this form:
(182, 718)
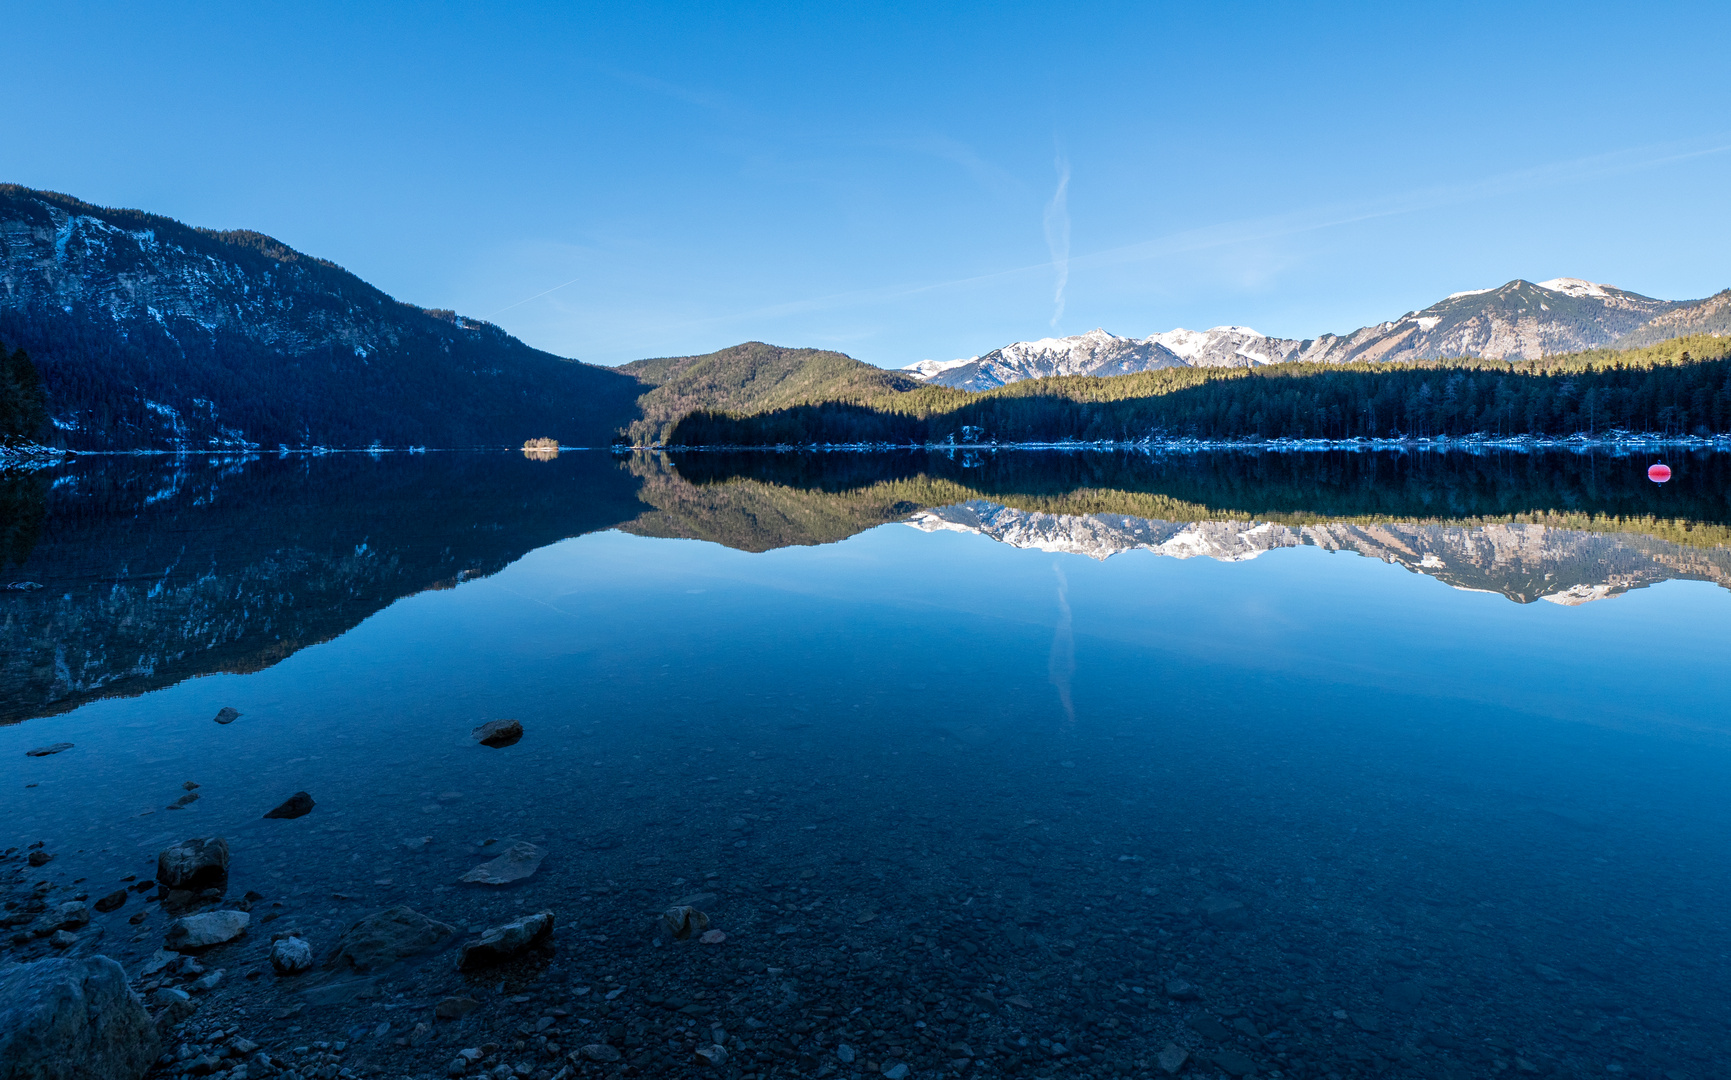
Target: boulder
(497, 733)
(228, 715)
(194, 865)
(684, 921)
(114, 901)
(66, 1018)
(205, 929)
(518, 862)
(291, 955)
(501, 943)
(385, 937)
(300, 804)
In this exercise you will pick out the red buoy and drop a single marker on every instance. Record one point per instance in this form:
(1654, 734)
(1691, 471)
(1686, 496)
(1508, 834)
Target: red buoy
(1659, 473)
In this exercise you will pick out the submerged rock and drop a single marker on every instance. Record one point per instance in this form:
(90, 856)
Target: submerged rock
(683, 921)
(44, 751)
(501, 943)
(206, 929)
(291, 955)
(300, 804)
(227, 715)
(63, 1018)
(193, 865)
(518, 862)
(385, 937)
(497, 733)
(114, 901)
(453, 1008)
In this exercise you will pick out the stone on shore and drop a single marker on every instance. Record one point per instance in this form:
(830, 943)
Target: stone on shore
(73, 1019)
(300, 804)
(385, 937)
(497, 733)
(684, 921)
(193, 865)
(205, 929)
(291, 955)
(518, 862)
(501, 943)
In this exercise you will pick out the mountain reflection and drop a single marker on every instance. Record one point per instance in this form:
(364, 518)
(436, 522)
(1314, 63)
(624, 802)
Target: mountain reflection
(156, 570)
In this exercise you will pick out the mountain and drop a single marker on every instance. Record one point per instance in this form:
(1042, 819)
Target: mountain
(1520, 320)
(1524, 562)
(150, 334)
(751, 378)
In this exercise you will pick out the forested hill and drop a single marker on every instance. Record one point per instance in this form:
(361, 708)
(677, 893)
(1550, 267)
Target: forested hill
(1679, 387)
(753, 378)
(148, 333)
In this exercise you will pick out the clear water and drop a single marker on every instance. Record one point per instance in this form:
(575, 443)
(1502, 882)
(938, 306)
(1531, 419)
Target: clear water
(1387, 810)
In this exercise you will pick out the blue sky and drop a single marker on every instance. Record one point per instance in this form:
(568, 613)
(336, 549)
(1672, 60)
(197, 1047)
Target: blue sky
(902, 182)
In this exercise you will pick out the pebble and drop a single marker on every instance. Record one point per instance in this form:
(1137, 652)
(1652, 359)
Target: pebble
(518, 862)
(895, 1070)
(1171, 1060)
(600, 1052)
(844, 1054)
(497, 733)
(300, 804)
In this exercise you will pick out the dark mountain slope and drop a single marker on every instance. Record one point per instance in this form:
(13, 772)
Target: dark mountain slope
(152, 334)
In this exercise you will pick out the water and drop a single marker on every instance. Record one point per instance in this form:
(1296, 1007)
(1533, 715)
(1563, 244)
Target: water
(1421, 773)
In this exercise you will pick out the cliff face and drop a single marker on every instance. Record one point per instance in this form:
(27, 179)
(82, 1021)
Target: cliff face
(152, 334)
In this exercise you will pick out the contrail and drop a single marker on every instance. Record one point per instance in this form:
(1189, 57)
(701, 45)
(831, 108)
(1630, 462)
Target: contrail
(1057, 222)
(1061, 668)
(537, 296)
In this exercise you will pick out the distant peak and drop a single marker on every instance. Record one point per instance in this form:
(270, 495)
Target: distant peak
(1577, 287)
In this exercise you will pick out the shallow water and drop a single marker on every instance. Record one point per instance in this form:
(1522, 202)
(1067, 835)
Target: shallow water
(1345, 776)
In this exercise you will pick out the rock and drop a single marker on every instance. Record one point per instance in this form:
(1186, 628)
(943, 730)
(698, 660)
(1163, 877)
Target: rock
(1403, 996)
(114, 901)
(208, 983)
(156, 963)
(1549, 974)
(1171, 1060)
(519, 861)
(39, 858)
(1210, 1028)
(184, 801)
(72, 915)
(1233, 1063)
(172, 1006)
(1225, 913)
(206, 929)
(63, 939)
(73, 1019)
(500, 943)
(1366, 1022)
(684, 921)
(497, 733)
(227, 715)
(458, 1066)
(385, 937)
(1179, 990)
(300, 804)
(418, 1036)
(713, 937)
(599, 1052)
(44, 751)
(713, 1056)
(895, 1070)
(452, 1008)
(193, 865)
(291, 955)
(844, 1053)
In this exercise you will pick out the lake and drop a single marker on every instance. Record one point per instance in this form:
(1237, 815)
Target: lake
(1319, 764)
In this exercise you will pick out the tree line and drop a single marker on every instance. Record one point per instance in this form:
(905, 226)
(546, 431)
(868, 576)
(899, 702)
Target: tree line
(1680, 387)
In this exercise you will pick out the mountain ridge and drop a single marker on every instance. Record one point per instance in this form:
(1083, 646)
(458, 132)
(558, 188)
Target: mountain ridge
(1520, 319)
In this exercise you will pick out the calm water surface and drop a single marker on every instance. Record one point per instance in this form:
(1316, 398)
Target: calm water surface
(1405, 767)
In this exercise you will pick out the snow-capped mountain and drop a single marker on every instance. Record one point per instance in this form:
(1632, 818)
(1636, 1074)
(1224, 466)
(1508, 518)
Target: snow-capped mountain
(1520, 561)
(1518, 320)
